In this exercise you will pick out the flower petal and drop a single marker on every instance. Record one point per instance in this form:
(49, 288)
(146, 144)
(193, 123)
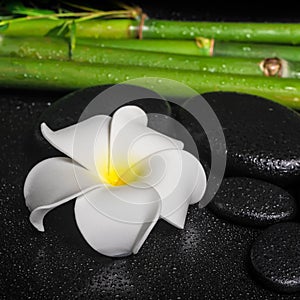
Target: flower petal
(85, 142)
(131, 140)
(116, 221)
(177, 176)
(53, 182)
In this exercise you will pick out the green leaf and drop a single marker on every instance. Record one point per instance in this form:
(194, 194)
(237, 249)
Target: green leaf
(4, 18)
(3, 27)
(35, 12)
(64, 29)
(59, 31)
(72, 28)
(17, 7)
(14, 5)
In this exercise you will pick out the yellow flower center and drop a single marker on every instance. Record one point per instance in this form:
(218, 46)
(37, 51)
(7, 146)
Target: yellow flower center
(112, 177)
(121, 174)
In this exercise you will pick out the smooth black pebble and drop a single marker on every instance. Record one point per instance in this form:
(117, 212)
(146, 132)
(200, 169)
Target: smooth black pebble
(262, 137)
(275, 257)
(252, 202)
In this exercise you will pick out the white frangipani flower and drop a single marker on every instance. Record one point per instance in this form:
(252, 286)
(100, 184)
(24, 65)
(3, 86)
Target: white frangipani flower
(124, 176)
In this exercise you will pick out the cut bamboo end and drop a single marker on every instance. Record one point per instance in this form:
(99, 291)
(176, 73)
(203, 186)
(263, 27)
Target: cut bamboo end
(274, 67)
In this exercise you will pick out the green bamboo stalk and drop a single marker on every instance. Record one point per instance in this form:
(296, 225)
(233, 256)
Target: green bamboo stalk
(285, 33)
(30, 74)
(186, 47)
(256, 50)
(197, 47)
(115, 28)
(58, 49)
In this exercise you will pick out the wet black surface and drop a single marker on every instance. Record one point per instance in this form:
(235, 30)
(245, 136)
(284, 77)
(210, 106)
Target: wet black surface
(253, 202)
(275, 256)
(208, 259)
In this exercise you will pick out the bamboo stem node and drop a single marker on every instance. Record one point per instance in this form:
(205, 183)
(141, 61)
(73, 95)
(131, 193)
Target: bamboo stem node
(141, 26)
(205, 43)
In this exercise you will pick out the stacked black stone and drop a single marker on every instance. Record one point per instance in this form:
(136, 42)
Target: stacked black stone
(263, 169)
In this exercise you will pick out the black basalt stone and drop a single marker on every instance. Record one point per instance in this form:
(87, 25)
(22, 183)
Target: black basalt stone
(253, 202)
(262, 137)
(275, 257)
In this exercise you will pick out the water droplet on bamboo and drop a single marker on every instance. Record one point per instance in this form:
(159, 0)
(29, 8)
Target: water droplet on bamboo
(156, 30)
(38, 56)
(246, 49)
(289, 88)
